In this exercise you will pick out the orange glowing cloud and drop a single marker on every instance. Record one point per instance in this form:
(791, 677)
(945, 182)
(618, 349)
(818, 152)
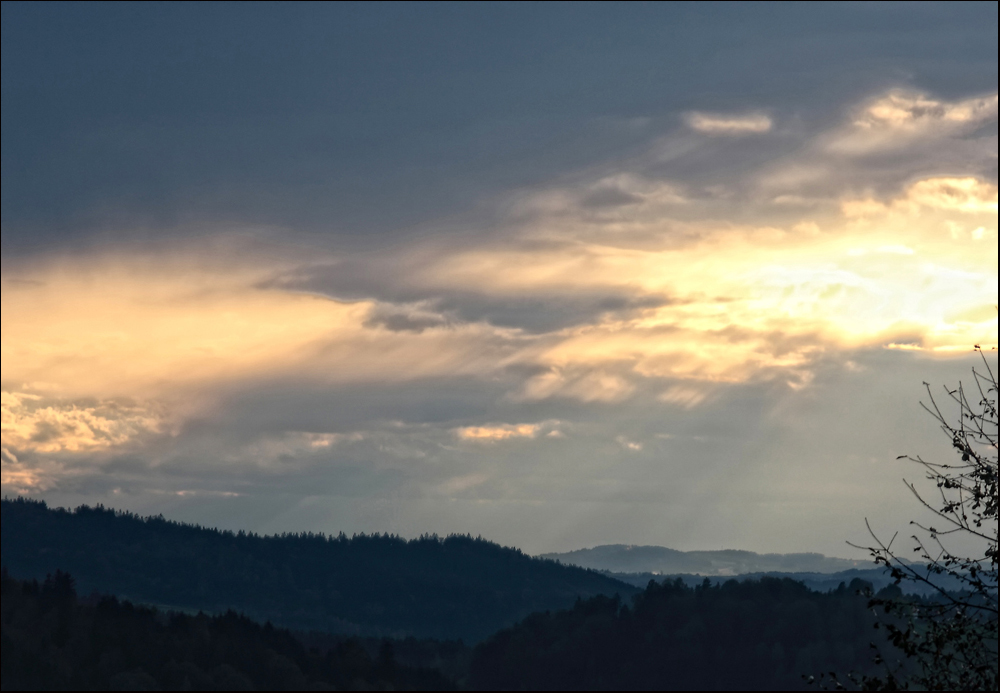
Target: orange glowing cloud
(144, 326)
(900, 117)
(498, 432)
(29, 422)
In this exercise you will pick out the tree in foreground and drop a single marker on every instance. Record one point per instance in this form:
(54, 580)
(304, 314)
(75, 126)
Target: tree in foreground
(949, 640)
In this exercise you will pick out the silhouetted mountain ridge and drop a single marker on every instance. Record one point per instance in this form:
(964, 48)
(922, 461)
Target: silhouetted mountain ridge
(658, 560)
(457, 587)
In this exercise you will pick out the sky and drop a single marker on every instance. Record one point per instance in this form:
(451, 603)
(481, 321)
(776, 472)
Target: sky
(555, 274)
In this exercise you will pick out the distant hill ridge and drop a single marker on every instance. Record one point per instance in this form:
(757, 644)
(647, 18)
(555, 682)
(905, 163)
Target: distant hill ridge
(458, 587)
(621, 558)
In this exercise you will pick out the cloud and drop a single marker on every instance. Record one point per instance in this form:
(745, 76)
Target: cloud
(498, 432)
(969, 195)
(21, 479)
(45, 425)
(716, 124)
(629, 445)
(966, 196)
(610, 197)
(587, 296)
(459, 286)
(619, 194)
(463, 483)
(685, 396)
(583, 384)
(405, 319)
(899, 118)
(901, 110)
(543, 311)
(289, 449)
(28, 476)
(165, 325)
(198, 493)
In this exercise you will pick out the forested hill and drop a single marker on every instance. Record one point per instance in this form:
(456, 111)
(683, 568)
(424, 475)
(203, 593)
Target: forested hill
(457, 587)
(53, 642)
(762, 636)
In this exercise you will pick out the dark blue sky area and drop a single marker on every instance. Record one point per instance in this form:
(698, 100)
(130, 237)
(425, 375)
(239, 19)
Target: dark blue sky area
(308, 117)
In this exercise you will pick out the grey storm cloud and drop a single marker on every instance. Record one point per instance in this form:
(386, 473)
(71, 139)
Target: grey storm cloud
(308, 118)
(610, 197)
(408, 304)
(534, 314)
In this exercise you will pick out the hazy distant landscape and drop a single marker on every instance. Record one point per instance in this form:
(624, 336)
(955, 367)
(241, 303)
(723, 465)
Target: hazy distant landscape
(95, 599)
(663, 561)
(182, 606)
(366, 586)
(638, 565)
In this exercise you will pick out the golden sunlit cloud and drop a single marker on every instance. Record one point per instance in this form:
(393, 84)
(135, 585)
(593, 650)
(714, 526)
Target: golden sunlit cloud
(318, 441)
(124, 325)
(960, 194)
(745, 300)
(964, 195)
(498, 432)
(913, 110)
(30, 422)
(716, 124)
(169, 333)
(20, 478)
(127, 325)
(901, 117)
(23, 477)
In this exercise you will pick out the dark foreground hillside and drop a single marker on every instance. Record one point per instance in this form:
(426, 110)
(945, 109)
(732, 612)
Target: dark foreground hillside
(738, 636)
(50, 641)
(370, 585)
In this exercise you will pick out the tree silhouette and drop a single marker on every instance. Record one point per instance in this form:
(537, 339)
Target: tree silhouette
(950, 641)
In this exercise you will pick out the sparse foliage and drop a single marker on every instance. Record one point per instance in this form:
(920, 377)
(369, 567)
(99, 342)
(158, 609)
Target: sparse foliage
(948, 642)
